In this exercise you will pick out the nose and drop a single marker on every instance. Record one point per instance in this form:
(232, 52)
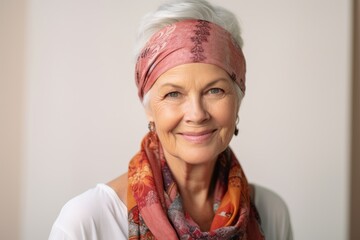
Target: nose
(196, 110)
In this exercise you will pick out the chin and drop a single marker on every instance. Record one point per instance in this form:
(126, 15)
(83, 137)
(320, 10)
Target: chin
(199, 155)
(195, 153)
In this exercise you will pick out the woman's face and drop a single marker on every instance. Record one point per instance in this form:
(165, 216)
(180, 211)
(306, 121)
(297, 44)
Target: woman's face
(194, 108)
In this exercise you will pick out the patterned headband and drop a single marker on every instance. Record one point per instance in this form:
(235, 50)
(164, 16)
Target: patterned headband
(189, 41)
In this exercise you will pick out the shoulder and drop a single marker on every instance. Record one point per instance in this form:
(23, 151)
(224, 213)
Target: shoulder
(119, 185)
(274, 214)
(91, 215)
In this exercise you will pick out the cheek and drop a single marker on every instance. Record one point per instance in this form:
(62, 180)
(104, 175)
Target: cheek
(165, 117)
(225, 113)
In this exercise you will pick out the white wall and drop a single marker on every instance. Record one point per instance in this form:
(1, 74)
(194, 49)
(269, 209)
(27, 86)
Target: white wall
(83, 120)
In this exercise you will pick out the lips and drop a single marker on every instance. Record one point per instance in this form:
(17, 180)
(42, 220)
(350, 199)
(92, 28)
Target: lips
(198, 137)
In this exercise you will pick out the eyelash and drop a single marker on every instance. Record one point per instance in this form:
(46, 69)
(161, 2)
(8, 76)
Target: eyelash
(218, 91)
(172, 93)
(210, 91)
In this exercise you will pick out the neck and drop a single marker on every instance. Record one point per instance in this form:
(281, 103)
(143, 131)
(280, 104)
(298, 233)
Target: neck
(192, 179)
(194, 183)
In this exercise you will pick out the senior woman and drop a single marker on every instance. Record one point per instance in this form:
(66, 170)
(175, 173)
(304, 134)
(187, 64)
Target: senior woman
(185, 182)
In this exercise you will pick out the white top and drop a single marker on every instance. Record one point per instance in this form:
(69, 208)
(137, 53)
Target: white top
(99, 214)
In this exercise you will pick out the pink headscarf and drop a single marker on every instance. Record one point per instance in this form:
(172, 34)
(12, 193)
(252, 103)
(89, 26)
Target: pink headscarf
(189, 41)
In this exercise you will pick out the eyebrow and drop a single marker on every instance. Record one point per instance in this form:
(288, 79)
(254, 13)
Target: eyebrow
(206, 86)
(216, 81)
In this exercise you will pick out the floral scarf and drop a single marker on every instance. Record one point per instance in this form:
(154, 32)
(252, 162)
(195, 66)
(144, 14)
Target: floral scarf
(156, 211)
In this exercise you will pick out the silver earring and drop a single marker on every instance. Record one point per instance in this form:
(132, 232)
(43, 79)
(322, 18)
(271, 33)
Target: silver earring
(151, 126)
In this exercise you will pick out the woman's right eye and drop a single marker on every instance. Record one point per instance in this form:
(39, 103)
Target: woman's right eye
(172, 95)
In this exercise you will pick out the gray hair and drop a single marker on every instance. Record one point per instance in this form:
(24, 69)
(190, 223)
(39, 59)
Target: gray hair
(177, 10)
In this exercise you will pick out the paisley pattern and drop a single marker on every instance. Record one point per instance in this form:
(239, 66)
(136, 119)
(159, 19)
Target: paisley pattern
(155, 205)
(201, 33)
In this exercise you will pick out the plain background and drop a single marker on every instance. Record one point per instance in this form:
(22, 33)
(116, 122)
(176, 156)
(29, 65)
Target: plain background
(68, 94)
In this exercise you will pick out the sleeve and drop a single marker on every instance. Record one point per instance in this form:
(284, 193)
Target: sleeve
(74, 222)
(96, 214)
(77, 219)
(274, 214)
(58, 234)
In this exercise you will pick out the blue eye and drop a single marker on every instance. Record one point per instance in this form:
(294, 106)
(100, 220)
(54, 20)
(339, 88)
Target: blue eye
(172, 95)
(216, 91)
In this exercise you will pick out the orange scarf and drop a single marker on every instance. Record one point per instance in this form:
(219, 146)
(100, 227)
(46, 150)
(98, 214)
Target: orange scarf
(155, 208)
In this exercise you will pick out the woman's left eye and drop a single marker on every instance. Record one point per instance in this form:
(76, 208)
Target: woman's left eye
(216, 91)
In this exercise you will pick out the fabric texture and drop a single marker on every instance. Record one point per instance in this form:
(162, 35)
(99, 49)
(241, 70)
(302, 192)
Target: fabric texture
(189, 41)
(155, 208)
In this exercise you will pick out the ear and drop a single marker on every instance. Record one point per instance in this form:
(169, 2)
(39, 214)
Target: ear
(148, 113)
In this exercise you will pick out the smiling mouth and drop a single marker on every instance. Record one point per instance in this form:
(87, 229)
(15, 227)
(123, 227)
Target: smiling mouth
(200, 137)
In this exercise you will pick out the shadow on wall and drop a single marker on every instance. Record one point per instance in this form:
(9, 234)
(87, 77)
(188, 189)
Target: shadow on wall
(355, 162)
(12, 42)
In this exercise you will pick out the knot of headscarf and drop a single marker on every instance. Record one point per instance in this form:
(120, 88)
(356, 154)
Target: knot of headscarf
(155, 209)
(189, 41)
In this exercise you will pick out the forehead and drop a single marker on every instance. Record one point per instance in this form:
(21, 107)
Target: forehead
(193, 74)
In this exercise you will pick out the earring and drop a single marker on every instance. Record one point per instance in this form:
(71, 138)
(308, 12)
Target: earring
(151, 126)
(236, 132)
